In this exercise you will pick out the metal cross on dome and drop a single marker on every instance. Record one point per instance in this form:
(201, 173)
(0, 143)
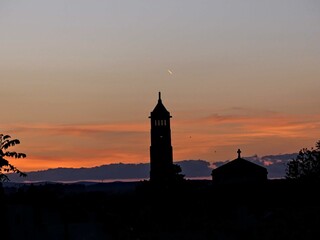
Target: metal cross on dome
(239, 153)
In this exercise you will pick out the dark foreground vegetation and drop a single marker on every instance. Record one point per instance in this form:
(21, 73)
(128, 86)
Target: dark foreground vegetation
(279, 209)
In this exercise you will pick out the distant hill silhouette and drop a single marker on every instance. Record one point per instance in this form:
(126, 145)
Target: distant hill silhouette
(118, 171)
(275, 165)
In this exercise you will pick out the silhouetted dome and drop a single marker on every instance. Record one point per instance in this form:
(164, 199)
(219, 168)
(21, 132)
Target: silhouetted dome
(240, 164)
(239, 170)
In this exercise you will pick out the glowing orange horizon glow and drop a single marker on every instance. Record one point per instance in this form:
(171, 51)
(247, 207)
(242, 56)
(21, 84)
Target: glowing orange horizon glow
(213, 138)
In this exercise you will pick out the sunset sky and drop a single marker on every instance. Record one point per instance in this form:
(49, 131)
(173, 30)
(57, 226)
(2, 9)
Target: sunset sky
(80, 77)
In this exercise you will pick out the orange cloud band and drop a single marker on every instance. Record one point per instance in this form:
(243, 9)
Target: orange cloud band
(213, 138)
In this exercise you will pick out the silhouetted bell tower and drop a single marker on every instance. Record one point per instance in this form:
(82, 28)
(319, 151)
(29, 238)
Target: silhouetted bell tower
(161, 159)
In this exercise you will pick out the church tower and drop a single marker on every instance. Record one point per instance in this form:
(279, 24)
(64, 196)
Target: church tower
(161, 158)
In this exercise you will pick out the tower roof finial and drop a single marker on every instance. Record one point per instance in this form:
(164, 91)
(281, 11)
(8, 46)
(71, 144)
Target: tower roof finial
(239, 153)
(159, 95)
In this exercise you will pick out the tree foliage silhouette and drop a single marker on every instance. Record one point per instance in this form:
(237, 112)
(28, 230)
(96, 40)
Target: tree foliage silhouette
(306, 166)
(5, 167)
(176, 173)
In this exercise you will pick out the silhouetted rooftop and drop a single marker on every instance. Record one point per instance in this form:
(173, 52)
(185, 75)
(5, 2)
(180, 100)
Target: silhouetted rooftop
(239, 164)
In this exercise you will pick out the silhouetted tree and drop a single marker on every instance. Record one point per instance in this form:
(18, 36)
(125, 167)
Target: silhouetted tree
(306, 166)
(5, 166)
(177, 176)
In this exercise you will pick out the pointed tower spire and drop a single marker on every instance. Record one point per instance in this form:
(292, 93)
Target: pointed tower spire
(160, 110)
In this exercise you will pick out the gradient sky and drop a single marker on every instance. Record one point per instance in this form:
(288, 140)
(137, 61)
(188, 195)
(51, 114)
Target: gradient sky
(79, 78)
